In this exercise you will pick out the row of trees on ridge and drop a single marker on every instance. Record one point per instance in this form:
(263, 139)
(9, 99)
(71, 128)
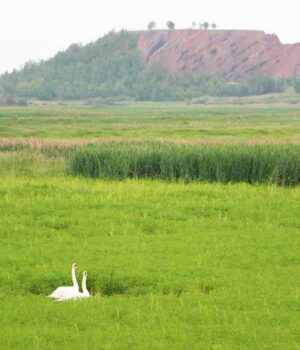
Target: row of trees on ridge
(195, 25)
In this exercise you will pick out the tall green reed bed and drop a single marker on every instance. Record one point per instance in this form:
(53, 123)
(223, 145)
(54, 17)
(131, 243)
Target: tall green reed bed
(279, 164)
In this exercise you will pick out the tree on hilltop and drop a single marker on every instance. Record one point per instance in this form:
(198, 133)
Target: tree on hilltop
(214, 26)
(151, 25)
(205, 25)
(171, 25)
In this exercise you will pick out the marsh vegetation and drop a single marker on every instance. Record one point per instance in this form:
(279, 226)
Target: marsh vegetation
(185, 263)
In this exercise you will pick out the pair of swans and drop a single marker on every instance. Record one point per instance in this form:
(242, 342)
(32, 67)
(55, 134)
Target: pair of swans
(72, 292)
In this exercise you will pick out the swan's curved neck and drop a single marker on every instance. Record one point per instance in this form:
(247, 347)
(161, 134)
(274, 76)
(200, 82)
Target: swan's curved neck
(74, 280)
(84, 289)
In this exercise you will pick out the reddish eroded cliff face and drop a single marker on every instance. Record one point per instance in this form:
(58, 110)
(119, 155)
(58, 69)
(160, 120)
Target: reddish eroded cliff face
(229, 54)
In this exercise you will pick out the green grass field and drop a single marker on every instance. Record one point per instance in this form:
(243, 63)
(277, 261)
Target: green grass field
(171, 265)
(174, 121)
(194, 266)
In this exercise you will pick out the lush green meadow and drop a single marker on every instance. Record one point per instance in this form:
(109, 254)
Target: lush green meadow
(181, 266)
(171, 264)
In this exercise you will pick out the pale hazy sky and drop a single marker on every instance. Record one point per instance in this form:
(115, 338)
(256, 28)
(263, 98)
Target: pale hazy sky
(37, 29)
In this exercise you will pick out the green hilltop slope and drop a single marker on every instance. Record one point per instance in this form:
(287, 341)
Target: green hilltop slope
(112, 67)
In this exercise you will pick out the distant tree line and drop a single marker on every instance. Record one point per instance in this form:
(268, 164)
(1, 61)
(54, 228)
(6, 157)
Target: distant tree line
(204, 25)
(195, 25)
(112, 67)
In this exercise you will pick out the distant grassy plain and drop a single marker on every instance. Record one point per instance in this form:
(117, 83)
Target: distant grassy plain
(151, 121)
(171, 265)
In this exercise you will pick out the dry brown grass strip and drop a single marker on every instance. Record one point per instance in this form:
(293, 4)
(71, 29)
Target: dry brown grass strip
(38, 143)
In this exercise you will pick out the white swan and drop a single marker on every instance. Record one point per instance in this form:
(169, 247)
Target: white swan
(62, 292)
(85, 293)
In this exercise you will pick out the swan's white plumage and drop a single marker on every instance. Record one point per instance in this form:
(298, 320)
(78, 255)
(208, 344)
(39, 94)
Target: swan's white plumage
(62, 292)
(75, 296)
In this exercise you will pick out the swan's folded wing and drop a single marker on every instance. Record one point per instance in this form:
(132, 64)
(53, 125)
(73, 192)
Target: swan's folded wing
(61, 292)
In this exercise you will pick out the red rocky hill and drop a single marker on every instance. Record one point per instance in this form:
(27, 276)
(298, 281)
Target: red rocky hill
(229, 54)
